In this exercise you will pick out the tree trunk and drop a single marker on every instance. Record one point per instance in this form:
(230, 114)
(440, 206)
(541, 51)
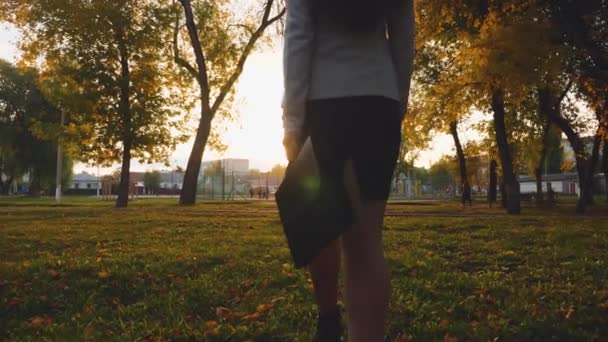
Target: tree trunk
(189, 186)
(35, 186)
(125, 176)
(462, 164)
(503, 193)
(550, 107)
(492, 183)
(5, 186)
(605, 166)
(124, 107)
(538, 171)
(208, 110)
(586, 197)
(188, 193)
(511, 184)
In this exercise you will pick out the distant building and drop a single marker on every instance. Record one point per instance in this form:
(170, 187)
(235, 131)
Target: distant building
(171, 182)
(84, 184)
(230, 165)
(564, 183)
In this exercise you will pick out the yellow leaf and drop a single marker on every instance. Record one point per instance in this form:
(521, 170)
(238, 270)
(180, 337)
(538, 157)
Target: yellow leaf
(103, 274)
(263, 307)
(252, 316)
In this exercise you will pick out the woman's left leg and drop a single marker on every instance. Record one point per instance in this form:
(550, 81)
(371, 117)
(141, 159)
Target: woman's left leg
(324, 271)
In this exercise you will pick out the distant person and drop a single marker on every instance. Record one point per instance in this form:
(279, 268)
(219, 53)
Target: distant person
(347, 69)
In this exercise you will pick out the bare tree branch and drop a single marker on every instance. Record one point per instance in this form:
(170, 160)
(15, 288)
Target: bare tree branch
(564, 93)
(249, 29)
(225, 89)
(176, 56)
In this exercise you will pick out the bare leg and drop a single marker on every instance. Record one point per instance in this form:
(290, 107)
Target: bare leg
(324, 271)
(367, 289)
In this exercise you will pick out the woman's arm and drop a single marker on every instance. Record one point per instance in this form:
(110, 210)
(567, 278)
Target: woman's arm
(401, 33)
(297, 56)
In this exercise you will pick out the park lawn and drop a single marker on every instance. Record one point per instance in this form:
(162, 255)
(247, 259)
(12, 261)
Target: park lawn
(221, 271)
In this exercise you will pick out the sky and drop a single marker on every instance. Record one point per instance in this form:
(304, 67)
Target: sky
(256, 133)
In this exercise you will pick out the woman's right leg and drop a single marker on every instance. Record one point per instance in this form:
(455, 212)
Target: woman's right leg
(375, 147)
(367, 288)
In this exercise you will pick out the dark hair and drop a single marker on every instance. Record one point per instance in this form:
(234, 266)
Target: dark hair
(354, 15)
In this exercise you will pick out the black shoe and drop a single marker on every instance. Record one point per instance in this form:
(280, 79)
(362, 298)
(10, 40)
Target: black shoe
(329, 328)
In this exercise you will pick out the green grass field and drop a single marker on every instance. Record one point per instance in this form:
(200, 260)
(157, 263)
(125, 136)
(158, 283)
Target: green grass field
(221, 271)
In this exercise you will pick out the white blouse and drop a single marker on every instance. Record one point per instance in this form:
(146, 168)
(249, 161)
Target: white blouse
(322, 60)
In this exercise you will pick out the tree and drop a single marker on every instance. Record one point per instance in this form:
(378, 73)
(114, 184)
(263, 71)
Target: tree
(439, 174)
(106, 63)
(465, 184)
(23, 107)
(605, 167)
(152, 181)
(278, 171)
(215, 169)
(211, 68)
(581, 28)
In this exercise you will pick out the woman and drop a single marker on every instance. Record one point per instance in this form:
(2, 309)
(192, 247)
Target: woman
(347, 69)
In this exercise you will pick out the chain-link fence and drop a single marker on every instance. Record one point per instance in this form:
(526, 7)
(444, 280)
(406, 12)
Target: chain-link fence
(233, 185)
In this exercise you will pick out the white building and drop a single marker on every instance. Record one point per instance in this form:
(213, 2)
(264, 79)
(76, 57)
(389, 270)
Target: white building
(85, 183)
(171, 180)
(563, 183)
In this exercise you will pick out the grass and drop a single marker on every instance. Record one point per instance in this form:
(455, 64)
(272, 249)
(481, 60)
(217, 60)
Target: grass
(221, 271)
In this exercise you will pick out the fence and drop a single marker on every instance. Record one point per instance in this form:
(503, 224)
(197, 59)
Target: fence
(238, 186)
(233, 185)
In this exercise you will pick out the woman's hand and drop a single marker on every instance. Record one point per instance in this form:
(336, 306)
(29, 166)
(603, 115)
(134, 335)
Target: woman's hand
(293, 142)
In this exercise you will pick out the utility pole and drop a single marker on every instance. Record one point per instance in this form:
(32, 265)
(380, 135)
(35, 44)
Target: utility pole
(223, 180)
(232, 189)
(59, 170)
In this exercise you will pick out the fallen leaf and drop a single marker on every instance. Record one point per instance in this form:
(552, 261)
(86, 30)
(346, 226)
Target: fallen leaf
(223, 313)
(98, 260)
(263, 307)
(88, 309)
(54, 274)
(14, 302)
(212, 324)
(402, 338)
(265, 282)
(276, 299)
(252, 316)
(103, 274)
(40, 321)
(569, 313)
(238, 314)
(449, 338)
(444, 323)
